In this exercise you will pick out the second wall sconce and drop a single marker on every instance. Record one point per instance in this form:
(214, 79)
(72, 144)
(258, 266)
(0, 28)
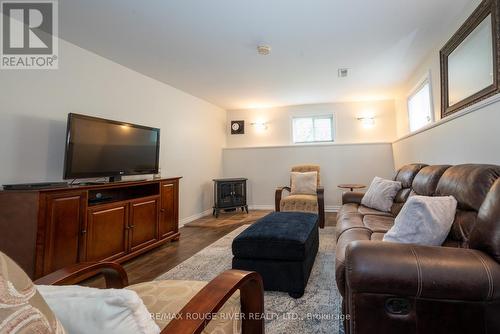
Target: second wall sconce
(367, 122)
(260, 125)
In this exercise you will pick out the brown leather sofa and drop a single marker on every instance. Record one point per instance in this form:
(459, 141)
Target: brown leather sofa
(403, 288)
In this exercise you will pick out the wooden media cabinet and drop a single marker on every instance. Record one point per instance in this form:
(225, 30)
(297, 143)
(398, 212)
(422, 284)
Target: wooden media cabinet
(45, 230)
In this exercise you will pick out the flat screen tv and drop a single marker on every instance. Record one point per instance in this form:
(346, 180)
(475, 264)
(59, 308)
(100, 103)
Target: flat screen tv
(97, 147)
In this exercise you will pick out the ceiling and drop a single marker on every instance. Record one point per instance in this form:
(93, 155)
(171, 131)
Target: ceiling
(208, 48)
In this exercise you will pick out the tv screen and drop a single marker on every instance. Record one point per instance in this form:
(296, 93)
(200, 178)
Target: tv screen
(97, 147)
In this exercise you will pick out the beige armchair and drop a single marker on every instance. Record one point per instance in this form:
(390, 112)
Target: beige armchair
(300, 202)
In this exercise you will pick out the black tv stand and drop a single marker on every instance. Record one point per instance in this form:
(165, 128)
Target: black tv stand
(117, 178)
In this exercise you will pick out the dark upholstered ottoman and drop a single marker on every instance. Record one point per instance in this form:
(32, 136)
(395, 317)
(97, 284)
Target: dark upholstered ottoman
(281, 247)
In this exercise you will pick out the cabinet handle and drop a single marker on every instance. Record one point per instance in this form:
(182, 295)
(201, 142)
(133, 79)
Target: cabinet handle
(162, 210)
(131, 226)
(84, 231)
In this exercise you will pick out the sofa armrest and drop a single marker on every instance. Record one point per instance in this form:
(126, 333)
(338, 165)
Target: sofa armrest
(421, 271)
(212, 297)
(114, 274)
(278, 195)
(352, 197)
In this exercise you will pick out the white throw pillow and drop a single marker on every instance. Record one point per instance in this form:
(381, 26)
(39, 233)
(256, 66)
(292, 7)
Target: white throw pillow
(304, 183)
(423, 220)
(380, 195)
(84, 310)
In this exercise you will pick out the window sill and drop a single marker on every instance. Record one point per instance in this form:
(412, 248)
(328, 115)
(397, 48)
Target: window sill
(463, 112)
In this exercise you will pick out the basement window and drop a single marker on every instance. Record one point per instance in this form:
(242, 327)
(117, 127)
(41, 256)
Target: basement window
(420, 111)
(312, 129)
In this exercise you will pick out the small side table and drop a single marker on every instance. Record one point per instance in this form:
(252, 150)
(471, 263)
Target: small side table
(351, 186)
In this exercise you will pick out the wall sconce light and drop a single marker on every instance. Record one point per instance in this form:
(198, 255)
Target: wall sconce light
(367, 122)
(259, 125)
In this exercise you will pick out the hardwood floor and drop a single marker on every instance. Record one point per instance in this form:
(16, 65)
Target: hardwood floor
(193, 239)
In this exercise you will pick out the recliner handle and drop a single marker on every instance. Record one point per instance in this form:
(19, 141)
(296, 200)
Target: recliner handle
(399, 306)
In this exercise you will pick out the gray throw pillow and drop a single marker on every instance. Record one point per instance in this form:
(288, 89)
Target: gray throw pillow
(423, 220)
(380, 195)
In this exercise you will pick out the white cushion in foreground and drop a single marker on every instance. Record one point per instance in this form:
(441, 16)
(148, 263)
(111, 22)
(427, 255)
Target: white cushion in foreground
(423, 220)
(380, 195)
(84, 310)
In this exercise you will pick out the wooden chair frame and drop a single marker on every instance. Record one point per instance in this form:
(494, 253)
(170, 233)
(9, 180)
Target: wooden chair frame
(208, 300)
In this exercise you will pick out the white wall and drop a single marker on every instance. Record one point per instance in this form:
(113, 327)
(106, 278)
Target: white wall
(472, 138)
(430, 64)
(347, 128)
(269, 167)
(34, 105)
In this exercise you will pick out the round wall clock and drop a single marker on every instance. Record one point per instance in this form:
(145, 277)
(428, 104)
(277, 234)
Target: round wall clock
(237, 127)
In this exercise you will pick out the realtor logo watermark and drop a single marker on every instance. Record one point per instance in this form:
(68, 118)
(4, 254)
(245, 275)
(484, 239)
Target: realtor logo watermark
(29, 35)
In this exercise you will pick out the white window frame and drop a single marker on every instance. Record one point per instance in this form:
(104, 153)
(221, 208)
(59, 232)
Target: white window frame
(425, 80)
(313, 116)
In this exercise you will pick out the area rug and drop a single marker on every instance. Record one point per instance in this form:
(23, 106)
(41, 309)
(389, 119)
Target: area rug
(318, 311)
(229, 218)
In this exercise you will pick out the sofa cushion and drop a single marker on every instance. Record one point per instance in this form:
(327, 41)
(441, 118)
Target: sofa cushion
(164, 299)
(348, 208)
(486, 234)
(299, 203)
(469, 184)
(364, 210)
(462, 226)
(373, 223)
(379, 224)
(348, 221)
(278, 236)
(353, 208)
(377, 236)
(426, 181)
(407, 173)
(380, 194)
(424, 220)
(23, 309)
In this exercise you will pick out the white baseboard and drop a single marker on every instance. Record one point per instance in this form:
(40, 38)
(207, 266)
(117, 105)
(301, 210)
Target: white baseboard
(329, 208)
(332, 208)
(261, 207)
(182, 222)
(189, 219)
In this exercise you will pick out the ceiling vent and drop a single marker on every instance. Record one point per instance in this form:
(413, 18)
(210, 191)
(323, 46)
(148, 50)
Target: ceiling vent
(343, 72)
(264, 50)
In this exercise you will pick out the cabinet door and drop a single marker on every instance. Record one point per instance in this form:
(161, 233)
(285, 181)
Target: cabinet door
(107, 227)
(168, 209)
(143, 223)
(64, 220)
(239, 193)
